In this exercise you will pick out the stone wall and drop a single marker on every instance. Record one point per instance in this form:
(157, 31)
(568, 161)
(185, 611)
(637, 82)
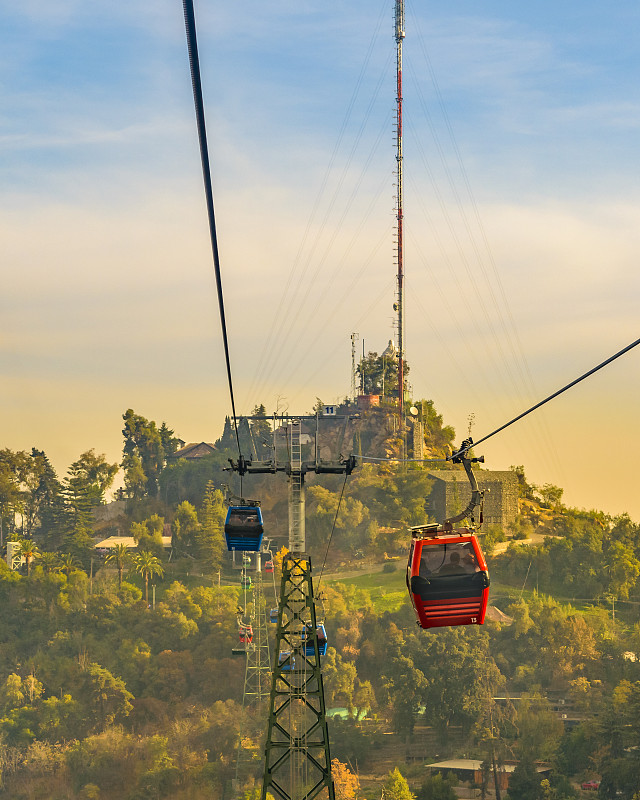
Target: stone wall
(451, 494)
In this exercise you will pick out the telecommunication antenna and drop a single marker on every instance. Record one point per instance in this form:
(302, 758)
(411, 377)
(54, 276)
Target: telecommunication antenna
(400, 34)
(354, 372)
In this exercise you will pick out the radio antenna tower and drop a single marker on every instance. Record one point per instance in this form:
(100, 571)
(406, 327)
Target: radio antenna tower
(354, 369)
(400, 34)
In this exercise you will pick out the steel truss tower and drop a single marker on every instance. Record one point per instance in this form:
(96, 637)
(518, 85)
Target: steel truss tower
(258, 666)
(297, 755)
(400, 34)
(257, 673)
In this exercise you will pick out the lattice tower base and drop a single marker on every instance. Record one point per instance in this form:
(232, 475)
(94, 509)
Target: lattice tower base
(297, 755)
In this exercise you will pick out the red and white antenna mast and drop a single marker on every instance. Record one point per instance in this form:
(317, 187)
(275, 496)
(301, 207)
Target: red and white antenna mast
(399, 306)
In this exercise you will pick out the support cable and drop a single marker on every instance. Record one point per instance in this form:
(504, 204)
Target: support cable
(194, 65)
(554, 395)
(335, 519)
(464, 450)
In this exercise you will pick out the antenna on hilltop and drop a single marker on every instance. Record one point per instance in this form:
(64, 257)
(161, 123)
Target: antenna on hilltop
(354, 371)
(399, 304)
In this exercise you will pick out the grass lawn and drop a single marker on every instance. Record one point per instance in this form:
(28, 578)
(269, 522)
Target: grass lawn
(387, 589)
(389, 592)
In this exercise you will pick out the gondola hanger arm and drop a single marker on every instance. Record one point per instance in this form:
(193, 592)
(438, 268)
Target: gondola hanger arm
(477, 495)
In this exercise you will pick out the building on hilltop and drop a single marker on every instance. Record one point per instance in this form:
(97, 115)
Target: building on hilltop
(193, 450)
(451, 493)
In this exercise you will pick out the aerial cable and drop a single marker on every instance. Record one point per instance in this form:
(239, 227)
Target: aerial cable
(335, 519)
(273, 333)
(464, 450)
(404, 460)
(194, 64)
(554, 395)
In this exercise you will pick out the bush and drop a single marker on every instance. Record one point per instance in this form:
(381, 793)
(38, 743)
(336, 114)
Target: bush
(390, 566)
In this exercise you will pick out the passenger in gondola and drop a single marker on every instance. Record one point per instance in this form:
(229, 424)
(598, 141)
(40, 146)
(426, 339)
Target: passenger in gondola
(453, 566)
(469, 561)
(424, 571)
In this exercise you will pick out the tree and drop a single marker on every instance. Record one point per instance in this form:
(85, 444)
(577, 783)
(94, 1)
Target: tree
(105, 694)
(43, 496)
(551, 496)
(68, 563)
(339, 679)
(135, 481)
(405, 685)
(396, 787)
(84, 486)
(119, 556)
(539, 729)
(12, 472)
(29, 552)
(147, 565)
(148, 534)
(379, 374)
(524, 488)
(437, 787)
(624, 569)
(49, 562)
(346, 784)
(168, 440)
(185, 529)
(261, 432)
(524, 783)
(144, 454)
(209, 537)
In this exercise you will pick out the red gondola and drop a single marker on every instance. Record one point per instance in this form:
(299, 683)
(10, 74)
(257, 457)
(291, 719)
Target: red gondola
(448, 579)
(447, 574)
(268, 566)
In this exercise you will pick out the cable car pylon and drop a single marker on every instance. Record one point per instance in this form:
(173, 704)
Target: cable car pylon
(257, 676)
(297, 753)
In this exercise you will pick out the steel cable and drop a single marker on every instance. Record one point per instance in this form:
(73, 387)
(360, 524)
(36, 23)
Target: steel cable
(194, 65)
(557, 393)
(335, 519)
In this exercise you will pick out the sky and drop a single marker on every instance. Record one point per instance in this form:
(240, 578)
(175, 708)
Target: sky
(522, 215)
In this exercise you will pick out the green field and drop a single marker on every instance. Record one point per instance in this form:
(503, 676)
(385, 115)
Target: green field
(387, 589)
(389, 592)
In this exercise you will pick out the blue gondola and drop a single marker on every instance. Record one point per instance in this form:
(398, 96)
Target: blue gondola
(273, 615)
(243, 527)
(322, 641)
(287, 661)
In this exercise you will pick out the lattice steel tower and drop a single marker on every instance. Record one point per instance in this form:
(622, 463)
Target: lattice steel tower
(257, 674)
(399, 305)
(297, 756)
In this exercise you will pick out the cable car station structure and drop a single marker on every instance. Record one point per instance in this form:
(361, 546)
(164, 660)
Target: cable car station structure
(297, 755)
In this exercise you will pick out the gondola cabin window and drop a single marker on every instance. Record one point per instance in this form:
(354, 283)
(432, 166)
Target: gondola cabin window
(448, 580)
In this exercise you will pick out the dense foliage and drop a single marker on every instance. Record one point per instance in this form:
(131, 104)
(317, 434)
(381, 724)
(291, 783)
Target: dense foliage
(116, 673)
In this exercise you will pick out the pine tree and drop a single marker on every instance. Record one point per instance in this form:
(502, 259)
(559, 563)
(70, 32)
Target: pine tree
(396, 787)
(209, 538)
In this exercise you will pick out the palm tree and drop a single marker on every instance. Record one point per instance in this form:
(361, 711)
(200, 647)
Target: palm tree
(148, 565)
(120, 556)
(29, 552)
(49, 562)
(68, 563)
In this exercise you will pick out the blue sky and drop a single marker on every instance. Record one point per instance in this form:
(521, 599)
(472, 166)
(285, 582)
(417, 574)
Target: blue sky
(522, 210)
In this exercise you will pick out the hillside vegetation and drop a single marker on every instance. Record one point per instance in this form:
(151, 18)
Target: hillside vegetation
(106, 693)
